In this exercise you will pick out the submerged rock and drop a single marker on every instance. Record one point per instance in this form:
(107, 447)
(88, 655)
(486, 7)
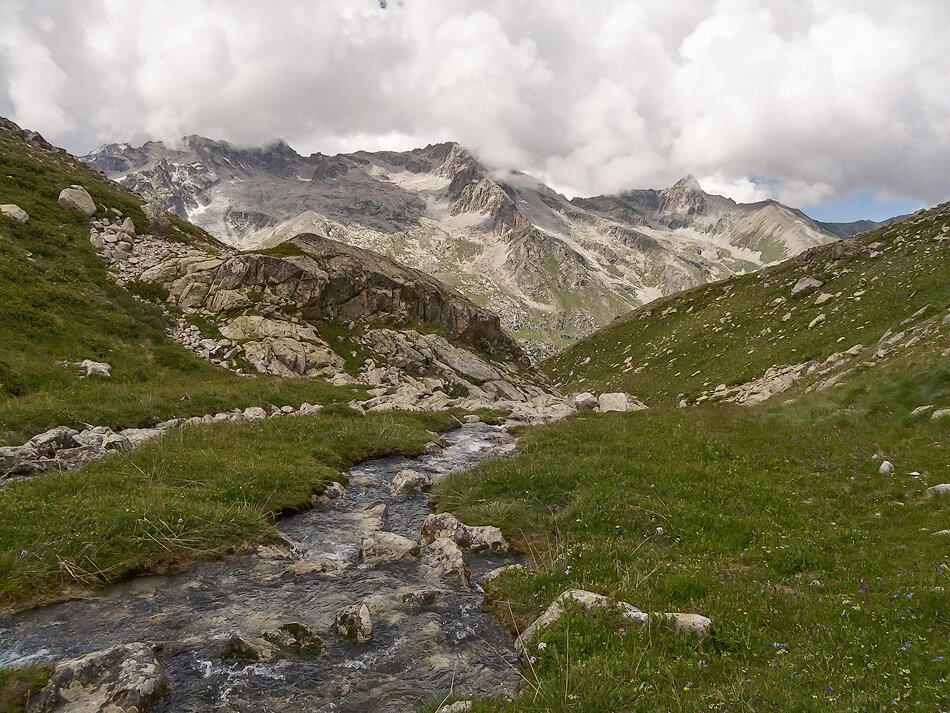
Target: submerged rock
(446, 558)
(296, 637)
(248, 647)
(382, 547)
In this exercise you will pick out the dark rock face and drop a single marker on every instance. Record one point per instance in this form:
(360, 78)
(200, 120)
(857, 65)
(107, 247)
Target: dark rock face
(334, 281)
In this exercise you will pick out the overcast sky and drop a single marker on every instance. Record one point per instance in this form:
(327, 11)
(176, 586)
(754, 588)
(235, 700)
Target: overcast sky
(838, 106)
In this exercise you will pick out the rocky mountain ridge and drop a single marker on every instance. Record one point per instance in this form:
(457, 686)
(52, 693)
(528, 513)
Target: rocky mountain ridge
(554, 269)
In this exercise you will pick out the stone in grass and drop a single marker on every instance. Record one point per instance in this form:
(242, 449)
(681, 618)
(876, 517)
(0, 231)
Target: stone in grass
(254, 413)
(806, 286)
(942, 489)
(942, 413)
(922, 409)
(123, 679)
(457, 707)
(353, 623)
(619, 402)
(76, 198)
(96, 368)
(683, 623)
(887, 468)
(12, 210)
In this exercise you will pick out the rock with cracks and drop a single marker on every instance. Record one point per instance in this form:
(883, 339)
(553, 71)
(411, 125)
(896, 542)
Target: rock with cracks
(353, 623)
(123, 679)
(477, 539)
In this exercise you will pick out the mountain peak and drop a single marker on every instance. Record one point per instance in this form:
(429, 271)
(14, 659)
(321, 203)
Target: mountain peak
(689, 183)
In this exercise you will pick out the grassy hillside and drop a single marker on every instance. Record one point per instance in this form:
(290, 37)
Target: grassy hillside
(58, 306)
(731, 332)
(826, 581)
(826, 585)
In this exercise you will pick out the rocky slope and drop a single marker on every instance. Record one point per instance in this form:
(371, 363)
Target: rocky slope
(93, 276)
(813, 322)
(317, 308)
(553, 269)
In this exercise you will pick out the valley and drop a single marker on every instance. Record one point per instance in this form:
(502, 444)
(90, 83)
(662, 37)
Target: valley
(306, 458)
(553, 269)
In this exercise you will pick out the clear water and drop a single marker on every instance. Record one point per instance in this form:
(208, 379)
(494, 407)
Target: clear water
(420, 651)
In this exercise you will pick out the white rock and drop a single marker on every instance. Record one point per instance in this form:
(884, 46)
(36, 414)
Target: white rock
(255, 413)
(585, 401)
(942, 489)
(96, 368)
(922, 409)
(619, 402)
(408, 480)
(12, 210)
(382, 547)
(940, 413)
(887, 468)
(684, 623)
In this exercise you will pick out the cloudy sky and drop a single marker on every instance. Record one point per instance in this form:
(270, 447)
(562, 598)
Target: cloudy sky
(838, 106)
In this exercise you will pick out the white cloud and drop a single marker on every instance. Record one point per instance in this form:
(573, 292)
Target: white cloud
(804, 99)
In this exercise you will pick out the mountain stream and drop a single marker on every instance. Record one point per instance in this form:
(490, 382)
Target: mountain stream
(430, 634)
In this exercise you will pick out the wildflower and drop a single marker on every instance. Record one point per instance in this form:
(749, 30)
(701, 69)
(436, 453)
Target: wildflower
(906, 646)
(542, 646)
(533, 660)
(180, 521)
(831, 689)
(659, 531)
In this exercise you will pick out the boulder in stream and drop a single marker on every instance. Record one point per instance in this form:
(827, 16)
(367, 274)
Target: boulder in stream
(123, 679)
(353, 623)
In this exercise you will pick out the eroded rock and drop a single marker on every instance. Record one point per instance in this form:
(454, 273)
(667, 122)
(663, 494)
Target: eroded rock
(123, 679)
(353, 623)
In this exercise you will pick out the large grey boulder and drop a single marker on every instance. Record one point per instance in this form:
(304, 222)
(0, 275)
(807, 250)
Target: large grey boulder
(123, 679)
(77, 198)
(806, 286)
(15, 212)
(585, 401)
(619, 402)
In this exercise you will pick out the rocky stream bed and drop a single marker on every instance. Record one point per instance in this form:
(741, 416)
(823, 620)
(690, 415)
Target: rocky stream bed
(262, 631)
